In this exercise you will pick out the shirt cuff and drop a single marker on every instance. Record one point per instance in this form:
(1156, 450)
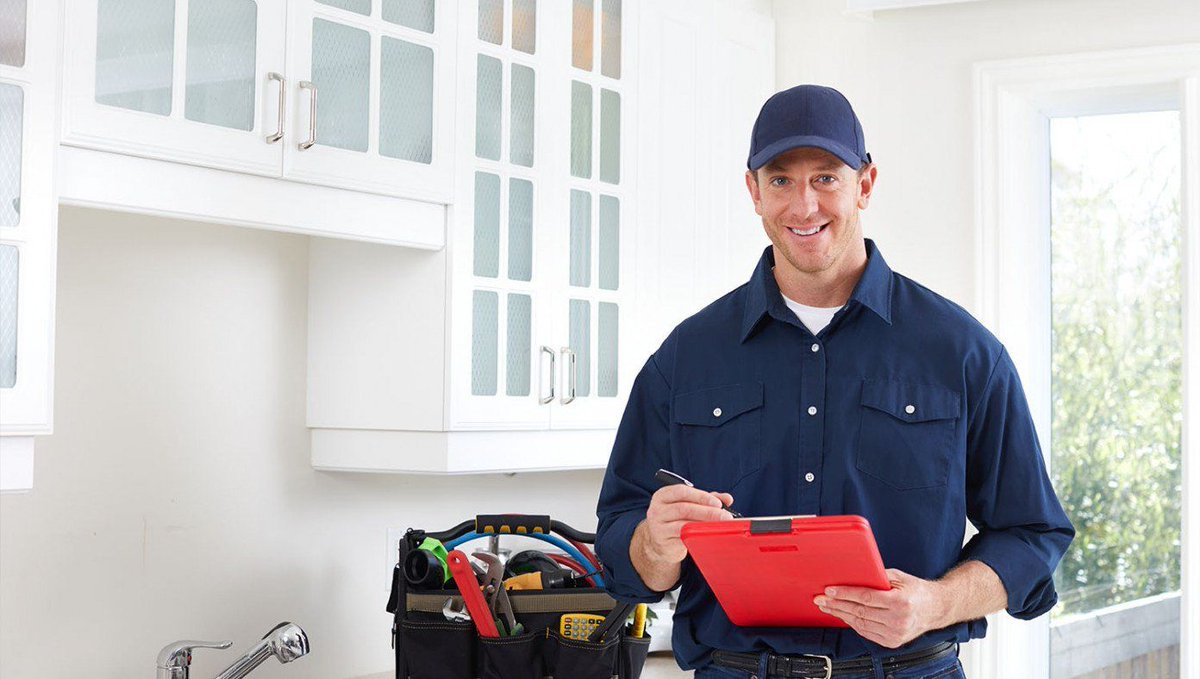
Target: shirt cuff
(621, 579)
(1030, 588)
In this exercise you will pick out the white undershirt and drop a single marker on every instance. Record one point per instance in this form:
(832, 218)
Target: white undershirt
(814, 318)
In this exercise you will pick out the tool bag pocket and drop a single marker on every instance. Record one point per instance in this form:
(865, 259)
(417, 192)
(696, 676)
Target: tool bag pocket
(631, 656)
(579, 659)
(447, 649)
(518, 657)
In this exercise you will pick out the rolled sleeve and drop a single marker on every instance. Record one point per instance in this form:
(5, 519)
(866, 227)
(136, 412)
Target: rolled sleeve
(642, 447)
(1023, 530)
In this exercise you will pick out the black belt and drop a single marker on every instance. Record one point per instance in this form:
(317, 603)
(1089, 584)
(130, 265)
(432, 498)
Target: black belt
(823, 667)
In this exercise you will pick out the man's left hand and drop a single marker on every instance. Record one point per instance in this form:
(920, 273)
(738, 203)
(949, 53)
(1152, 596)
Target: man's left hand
(889, 618)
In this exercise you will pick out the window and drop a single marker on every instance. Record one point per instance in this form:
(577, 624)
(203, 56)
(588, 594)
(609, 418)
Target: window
(1116, 386)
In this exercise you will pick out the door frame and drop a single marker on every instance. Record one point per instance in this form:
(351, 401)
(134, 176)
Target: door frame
(1014, 100)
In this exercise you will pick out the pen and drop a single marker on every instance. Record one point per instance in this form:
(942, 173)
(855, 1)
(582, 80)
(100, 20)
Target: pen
(668, 478)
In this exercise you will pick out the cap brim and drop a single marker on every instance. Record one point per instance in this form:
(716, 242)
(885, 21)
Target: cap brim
(843, 153)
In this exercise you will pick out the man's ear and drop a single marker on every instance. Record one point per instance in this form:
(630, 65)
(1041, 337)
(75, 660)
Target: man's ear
(866, 184)
(755, 193)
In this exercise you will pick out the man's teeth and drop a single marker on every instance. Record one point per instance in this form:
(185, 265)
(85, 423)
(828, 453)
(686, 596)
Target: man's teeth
(810, 232)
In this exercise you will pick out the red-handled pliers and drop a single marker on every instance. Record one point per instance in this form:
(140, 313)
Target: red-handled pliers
(464, 577)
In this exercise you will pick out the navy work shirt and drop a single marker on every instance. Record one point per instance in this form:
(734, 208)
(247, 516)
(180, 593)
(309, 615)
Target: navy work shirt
(904, 410)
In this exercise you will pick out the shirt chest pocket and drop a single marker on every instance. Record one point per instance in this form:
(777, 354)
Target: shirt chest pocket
(719, 433)
(907, 433)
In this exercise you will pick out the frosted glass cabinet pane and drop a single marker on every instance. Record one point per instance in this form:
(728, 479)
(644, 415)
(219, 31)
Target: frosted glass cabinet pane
(135, 50)
(406, 101)
(610, 136)
(581, 129)
(606, 350)
(12, 32)
(220, 63)
(485, 327)
(524, 26)
(418, 14)
(610, 242)
(341, 70)
(491, 21)
(520, 348)
(489, 85)
(581, 344)
(9, 274)
(581, 238)
(487, 225)
(581, 34)
(362, 7)
(522, 105)
(610, 39)
(520, 229)
(12, 115)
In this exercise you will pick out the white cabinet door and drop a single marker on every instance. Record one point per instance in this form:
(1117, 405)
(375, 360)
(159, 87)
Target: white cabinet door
(372, 96)
(544, 91)
(28, 215)
(594, 287)
(190, 81)
(503, 357)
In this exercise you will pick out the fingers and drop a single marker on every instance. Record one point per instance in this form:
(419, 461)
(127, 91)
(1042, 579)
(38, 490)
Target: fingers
(723, 497)
(868, 597)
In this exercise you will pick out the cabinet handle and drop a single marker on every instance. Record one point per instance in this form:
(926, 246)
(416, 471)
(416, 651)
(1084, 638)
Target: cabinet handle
(571, 372)
(272, 138)
(312, 115)
(543, 400)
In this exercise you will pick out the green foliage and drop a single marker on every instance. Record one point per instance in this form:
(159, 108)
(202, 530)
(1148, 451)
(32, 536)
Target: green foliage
(1117, 371)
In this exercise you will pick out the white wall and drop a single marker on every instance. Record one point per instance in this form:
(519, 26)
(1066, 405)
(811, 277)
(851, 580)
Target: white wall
(176, 499)
(908, 75)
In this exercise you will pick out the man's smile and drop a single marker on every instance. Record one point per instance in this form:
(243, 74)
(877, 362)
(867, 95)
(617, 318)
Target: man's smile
(812, 231)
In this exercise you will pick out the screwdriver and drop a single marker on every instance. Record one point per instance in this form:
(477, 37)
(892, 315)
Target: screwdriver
(669, 478)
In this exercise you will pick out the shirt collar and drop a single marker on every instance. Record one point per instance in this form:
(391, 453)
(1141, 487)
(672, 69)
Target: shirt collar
(874, 290)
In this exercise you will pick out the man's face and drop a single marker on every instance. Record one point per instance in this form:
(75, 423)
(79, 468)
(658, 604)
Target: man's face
(809, 201)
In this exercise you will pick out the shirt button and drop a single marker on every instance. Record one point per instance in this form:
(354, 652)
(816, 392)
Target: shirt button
(910, 409)
(812, 410)
(816, 347)
(809, 477)
(717, 412)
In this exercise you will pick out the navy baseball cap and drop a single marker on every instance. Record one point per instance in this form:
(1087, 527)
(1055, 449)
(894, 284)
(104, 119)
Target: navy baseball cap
(807, 116)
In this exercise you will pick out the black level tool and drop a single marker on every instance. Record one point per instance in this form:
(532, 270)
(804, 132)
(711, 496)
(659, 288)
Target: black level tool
(615, 618)
(668, 478)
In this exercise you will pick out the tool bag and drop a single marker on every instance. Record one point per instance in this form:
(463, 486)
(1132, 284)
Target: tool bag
(430, 646)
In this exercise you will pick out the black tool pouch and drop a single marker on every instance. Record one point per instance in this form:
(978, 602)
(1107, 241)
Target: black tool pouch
(428, 646)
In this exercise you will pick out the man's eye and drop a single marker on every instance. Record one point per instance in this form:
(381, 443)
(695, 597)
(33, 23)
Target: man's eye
(778, 181)
(826, 179)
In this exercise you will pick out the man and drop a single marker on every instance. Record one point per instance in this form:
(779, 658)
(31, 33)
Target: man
(829, 384)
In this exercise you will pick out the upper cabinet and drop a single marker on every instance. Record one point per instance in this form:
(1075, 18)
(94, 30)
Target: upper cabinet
(352, 94)
(521, 325)
(28, 223)
(538, 291)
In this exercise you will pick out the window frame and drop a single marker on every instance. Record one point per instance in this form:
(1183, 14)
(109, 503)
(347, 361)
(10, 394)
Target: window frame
(1014, 101)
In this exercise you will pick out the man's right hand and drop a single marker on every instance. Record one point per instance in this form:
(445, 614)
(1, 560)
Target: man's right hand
(656, 550)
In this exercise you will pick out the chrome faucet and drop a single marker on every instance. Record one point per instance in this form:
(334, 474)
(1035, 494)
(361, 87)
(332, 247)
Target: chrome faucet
(286, 641)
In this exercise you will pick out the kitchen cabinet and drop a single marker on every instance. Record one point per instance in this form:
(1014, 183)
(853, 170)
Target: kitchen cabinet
(354, 96)
(587, 224)
(517, 326)
(28, 225)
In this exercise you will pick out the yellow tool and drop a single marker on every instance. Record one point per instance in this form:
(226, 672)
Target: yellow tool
(578, 625)
(639, 621)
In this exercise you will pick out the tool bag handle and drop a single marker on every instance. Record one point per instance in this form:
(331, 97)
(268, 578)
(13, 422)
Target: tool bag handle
(514, 524)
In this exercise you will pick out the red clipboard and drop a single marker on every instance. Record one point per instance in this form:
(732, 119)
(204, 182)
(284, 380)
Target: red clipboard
(765, 572)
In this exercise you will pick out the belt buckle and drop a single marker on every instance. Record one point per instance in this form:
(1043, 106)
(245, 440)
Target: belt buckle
(828, 663)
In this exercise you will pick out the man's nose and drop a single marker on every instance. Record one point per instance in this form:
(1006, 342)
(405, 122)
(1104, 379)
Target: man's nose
(803, 202)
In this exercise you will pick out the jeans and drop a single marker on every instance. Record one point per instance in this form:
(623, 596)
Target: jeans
(942, 668)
